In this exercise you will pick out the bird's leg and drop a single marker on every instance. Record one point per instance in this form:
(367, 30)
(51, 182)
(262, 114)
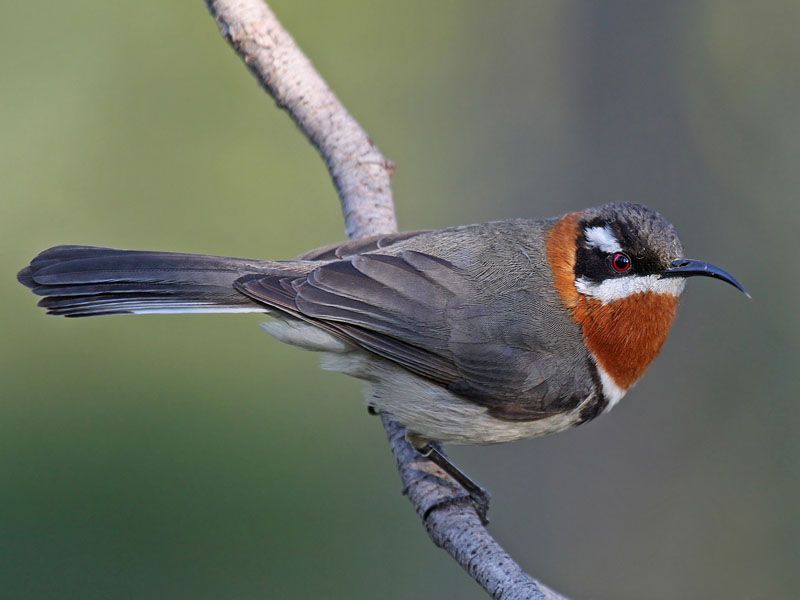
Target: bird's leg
(479, 496)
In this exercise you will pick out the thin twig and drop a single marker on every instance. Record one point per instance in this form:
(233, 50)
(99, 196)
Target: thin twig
(362, 176)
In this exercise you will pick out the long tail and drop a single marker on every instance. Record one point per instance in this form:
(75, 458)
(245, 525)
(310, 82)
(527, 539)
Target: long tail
(82, 281)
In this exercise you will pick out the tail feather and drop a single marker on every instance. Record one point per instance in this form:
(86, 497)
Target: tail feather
(79, 281)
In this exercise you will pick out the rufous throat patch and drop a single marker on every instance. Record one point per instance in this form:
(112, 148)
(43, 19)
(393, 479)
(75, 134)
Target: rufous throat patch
(623, 335)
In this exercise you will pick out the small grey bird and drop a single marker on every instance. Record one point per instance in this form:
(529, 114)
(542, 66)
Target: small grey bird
(476, 334)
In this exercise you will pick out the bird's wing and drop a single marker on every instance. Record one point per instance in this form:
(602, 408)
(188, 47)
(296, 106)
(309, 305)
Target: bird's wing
(342, 250)
(430, 317)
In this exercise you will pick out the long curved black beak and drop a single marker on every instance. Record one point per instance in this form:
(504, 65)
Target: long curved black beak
(687, 267)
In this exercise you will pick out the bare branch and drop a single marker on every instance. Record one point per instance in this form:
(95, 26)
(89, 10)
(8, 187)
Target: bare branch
(362, 175)
(360, 172)
(454, 525)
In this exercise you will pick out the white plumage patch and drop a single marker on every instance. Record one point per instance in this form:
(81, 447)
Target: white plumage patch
(602, 238)
(612, 392)
(188, 309)
(622, 287)
(299, 333)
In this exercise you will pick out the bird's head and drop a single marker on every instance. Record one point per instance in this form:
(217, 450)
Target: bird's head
(619, 269)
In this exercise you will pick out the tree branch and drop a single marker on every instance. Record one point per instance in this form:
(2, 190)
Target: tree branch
(362, 175)
(360, 172)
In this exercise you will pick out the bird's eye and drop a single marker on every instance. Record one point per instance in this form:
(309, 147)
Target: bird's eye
(621, 262)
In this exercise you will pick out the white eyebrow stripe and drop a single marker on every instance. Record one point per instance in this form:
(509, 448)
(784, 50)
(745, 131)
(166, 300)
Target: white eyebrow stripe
(602, 238)
(617, 288)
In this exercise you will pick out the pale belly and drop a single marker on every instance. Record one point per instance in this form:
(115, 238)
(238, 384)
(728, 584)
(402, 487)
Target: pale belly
(427, 410)
(433, 413)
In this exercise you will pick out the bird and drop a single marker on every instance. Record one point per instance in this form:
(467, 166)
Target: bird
(474, 334)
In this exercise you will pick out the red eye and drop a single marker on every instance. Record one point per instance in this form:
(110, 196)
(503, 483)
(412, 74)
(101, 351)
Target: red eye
(621, 262)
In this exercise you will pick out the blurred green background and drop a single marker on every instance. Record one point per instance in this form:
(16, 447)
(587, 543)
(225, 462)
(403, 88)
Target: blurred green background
(195, 457)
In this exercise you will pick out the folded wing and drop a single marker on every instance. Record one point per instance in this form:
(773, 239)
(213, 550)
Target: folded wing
(430, 317)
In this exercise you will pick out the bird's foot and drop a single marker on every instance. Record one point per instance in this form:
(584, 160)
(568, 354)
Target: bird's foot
(478, 496)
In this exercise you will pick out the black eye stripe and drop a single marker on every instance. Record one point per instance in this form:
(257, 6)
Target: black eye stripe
(646, 237)
(594, 265)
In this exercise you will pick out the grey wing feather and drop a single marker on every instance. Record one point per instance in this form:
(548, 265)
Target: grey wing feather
(341, 250)
(428, 316)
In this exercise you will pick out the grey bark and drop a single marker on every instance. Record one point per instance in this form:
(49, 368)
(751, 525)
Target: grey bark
(360, 172)
(362, 177)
